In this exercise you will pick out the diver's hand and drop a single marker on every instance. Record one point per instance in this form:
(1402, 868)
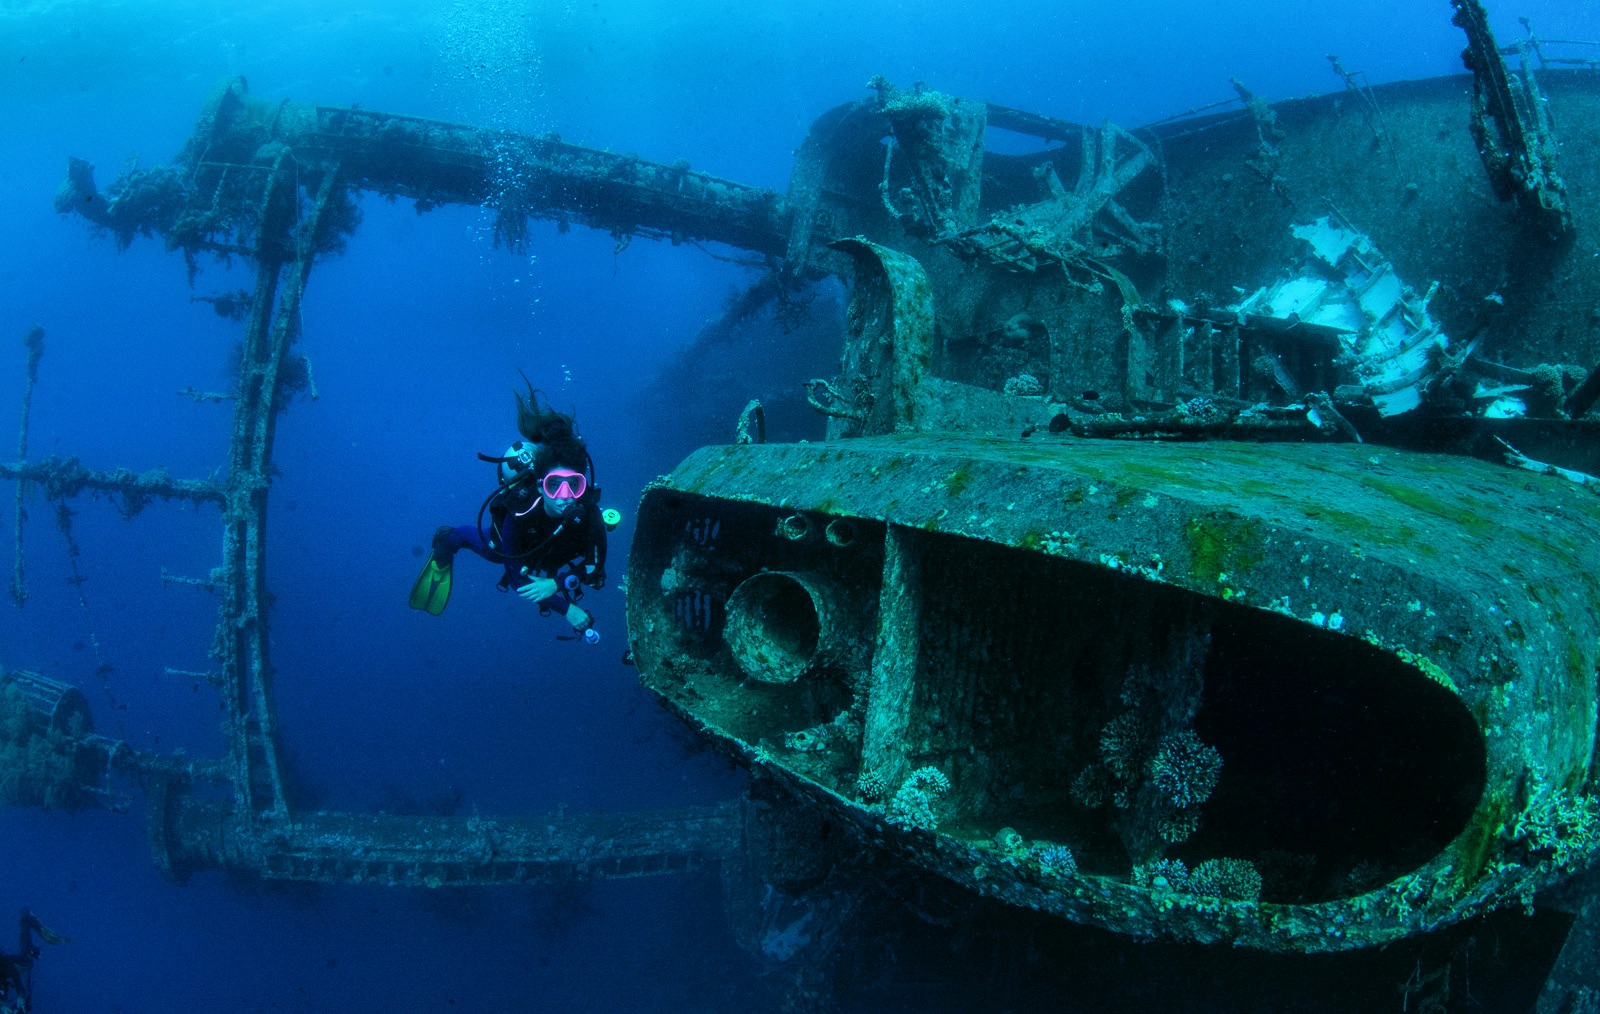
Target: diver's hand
(579, 619)
(537, 589)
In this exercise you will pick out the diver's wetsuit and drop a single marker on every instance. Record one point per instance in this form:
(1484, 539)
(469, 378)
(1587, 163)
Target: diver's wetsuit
(575, 544)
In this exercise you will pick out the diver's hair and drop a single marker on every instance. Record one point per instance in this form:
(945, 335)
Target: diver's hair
(556, 433)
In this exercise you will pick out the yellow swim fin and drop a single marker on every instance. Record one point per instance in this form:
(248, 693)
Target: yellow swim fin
(432, 590)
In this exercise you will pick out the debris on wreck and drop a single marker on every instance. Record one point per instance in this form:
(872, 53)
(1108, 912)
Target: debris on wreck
(1516, 459)
(934, 186)
(1076, 230)
(40, 720)
(1390, 347)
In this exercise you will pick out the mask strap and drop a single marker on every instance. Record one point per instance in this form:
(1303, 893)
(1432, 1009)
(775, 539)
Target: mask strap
(536, 502)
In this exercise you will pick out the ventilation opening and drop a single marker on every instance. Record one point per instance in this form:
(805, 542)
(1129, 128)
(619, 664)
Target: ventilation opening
(698, 612)
(773, 627)
(1344, 767)
(1132, 721)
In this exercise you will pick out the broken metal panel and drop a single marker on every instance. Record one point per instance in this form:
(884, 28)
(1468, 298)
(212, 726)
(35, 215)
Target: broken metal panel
(1217, 220)
(888, 344)
(1105, 554)
(1389, 346)
(1193, 201)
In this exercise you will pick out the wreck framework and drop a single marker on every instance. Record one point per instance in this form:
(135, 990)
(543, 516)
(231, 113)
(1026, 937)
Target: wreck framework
(274, 184)
(785, 598)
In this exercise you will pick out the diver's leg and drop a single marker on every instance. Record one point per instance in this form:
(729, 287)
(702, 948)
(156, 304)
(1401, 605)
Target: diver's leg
(465, 537)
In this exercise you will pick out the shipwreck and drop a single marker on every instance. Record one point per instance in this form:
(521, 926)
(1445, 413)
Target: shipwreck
(1204, 546)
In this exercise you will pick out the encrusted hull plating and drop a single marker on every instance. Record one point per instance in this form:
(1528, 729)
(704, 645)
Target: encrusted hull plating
(1408, 640)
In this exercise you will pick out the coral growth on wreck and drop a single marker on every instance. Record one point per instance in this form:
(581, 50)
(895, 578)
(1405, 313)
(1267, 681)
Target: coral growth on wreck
(912, 805)
(1226, 878)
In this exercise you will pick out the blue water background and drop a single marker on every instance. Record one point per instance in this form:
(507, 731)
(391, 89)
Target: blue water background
(415, 335)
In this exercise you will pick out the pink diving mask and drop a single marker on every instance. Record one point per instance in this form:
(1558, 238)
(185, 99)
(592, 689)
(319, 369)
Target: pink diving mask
(564, 484)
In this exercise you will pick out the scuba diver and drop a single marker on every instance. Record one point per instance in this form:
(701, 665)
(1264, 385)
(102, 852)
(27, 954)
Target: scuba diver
(542, 522)
(16, 970)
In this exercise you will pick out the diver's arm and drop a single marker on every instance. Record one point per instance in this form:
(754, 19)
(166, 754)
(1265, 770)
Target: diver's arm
(566, 604)
(581, 621)
(543, 590)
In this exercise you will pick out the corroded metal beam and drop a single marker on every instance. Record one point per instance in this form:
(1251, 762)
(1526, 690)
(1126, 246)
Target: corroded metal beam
(242, 642)
(60, 478)
(432, 162)
(34, 341)
(418, 851)
(1520, 155)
